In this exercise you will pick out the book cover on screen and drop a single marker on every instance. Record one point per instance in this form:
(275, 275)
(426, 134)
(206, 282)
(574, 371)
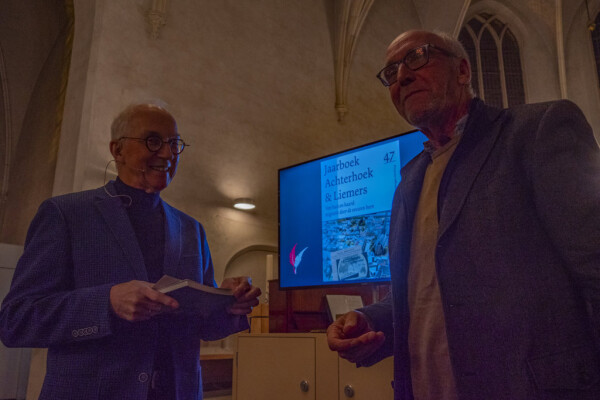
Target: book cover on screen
(335, 214)
(194, 297)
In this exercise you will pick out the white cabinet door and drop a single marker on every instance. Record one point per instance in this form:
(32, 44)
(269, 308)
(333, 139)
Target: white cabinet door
(275, 368)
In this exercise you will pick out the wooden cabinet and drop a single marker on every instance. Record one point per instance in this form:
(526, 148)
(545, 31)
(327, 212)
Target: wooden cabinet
(217, 374)
(284, 366)
(301, 366)
(305, 310)
(370, 383)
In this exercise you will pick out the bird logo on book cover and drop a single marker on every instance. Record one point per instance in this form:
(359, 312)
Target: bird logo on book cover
(296, 259)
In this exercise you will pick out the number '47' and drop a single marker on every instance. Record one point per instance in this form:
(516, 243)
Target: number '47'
(389, 157)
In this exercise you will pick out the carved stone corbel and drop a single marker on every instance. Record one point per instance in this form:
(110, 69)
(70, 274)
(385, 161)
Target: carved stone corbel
(157, 17)
(349, 18)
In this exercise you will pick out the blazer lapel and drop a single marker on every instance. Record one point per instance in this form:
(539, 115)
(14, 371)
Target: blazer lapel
(481, 132)
(404, 208)
(411, 186)
(172, 242)
(115, 216)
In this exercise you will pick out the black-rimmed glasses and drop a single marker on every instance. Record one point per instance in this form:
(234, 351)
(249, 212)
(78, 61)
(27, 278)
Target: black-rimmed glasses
(155, 143)
(414, 59)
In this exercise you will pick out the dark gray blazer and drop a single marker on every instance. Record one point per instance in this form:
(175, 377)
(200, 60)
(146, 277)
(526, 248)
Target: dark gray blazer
(517, 259)
(78, 246)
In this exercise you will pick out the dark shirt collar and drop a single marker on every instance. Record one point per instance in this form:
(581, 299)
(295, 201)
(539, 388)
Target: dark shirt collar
(139, 198)
(458, 131)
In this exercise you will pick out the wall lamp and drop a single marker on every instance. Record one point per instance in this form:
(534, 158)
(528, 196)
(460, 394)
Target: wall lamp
(244, 204)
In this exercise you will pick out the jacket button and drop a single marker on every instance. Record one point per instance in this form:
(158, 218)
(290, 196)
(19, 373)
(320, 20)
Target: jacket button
(143, 377)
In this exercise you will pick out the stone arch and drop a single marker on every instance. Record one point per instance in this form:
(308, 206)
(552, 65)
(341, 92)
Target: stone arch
(251, 261)
(32, 146)
(73, 145)
(5, 135)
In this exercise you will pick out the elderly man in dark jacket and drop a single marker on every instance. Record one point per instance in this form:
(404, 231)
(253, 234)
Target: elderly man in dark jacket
(83, 287)
(494, 244)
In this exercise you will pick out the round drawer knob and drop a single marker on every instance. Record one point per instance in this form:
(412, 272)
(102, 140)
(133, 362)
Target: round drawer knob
(304, 386)
(349, 391)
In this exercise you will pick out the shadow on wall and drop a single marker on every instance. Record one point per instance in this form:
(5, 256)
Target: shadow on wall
(30, 150)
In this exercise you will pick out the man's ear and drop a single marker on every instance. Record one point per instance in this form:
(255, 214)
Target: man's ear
(115, 149)
(464, 72)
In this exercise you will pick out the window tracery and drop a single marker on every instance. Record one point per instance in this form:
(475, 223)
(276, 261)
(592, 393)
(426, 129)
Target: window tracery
(497, 75)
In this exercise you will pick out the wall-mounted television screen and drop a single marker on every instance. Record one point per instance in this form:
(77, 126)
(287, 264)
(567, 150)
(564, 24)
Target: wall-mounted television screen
(334, 214)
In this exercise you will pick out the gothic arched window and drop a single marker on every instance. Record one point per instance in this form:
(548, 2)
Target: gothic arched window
(493, 50)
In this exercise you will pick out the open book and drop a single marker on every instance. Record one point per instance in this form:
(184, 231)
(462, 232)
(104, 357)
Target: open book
(194, 297)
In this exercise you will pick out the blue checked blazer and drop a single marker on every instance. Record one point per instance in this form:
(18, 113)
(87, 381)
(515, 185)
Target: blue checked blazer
(517, 257)
(78, 246)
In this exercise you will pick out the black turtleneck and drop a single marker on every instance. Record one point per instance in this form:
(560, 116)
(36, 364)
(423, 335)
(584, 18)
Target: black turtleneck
(147, 218)
(148, 221)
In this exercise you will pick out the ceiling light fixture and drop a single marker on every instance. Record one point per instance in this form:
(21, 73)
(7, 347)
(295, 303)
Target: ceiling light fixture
(244, 204)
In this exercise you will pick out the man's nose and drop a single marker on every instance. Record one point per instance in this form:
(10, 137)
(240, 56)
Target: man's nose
(165, 151)
(405, 75)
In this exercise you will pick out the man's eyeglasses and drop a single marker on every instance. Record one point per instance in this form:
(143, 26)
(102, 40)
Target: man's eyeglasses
(414, 59)
(155, 143)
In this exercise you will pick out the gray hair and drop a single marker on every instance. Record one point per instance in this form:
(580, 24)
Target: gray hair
(453, 45)
(448, 43)
(122, 123)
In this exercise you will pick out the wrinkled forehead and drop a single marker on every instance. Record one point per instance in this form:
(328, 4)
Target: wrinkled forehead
(407, 41)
